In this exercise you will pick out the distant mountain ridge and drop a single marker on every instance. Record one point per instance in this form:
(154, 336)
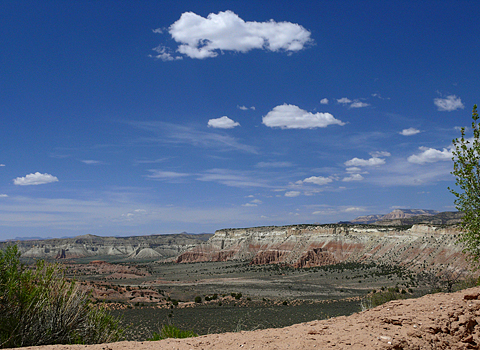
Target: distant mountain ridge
(153, 247)
(399, 217)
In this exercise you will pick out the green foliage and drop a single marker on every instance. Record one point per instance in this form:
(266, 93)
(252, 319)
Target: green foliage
(40, 307)
(466, 169)
(375, 299)
(198, 299)
(170, 331)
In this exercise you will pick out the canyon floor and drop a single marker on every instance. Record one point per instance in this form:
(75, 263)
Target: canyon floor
(435, 321)
(236, 295)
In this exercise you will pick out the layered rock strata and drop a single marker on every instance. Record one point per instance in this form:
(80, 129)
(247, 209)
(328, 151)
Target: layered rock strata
(152, 247)
(426, 247)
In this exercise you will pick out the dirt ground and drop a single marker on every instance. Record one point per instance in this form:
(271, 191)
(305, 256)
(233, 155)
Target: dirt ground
(436, 321)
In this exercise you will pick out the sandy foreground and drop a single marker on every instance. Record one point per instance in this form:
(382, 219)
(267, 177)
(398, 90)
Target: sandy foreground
(438, 321)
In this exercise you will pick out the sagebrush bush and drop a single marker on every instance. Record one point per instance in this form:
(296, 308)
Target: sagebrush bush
(375, 299)
(40, 307)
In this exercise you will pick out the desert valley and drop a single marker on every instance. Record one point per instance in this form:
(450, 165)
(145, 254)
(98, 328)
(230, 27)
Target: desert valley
(261, 277)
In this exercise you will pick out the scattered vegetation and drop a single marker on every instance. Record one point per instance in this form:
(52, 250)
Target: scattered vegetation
(170, 331)
(375, 299)
(40, 307)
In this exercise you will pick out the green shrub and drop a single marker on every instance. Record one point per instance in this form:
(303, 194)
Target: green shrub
(40, 307)
(376, 299)
(198, 299)
(170, 331)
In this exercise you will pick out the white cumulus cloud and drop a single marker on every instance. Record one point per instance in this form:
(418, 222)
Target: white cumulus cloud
(222, 123)
(409, 132)
(378, 154)
(352, 104)
(355, 162)
(164, 53)
(353, 177)
(292, 117)
(245, 108)
(359, 104)
(344, 100)
(292, 194)
(35, 179)
(353, 169)
(200, 37)
(318, 180)
(324, 101)
(430, 155)
(450, 103)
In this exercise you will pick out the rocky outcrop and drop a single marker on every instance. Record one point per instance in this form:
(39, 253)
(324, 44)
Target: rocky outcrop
(316, 257)
(152, 247)
(400, 217)
(427, 247)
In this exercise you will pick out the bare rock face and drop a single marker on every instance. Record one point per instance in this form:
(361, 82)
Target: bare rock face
(129, 248)
(316, 257)
(427, 247)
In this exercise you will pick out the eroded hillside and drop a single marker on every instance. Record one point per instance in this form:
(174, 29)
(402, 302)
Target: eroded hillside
(154, 247)
(422, 247)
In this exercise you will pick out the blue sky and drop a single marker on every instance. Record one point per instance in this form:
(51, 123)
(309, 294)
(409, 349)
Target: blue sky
(146, 117)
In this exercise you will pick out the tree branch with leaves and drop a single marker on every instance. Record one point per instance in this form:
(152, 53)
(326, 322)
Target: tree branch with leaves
(466, 169)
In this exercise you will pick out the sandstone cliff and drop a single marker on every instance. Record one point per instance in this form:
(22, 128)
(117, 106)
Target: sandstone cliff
(130, 248)
(423, 247)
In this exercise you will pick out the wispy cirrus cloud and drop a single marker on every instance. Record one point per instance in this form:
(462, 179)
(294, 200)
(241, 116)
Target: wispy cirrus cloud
(401, 172)
(165, 175)
(181, 134)
(152, 161)
(274, 164)
(232, 178)
(199, 37)
(91, 162)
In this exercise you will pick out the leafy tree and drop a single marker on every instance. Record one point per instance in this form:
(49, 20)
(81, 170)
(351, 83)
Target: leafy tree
(466, 169)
